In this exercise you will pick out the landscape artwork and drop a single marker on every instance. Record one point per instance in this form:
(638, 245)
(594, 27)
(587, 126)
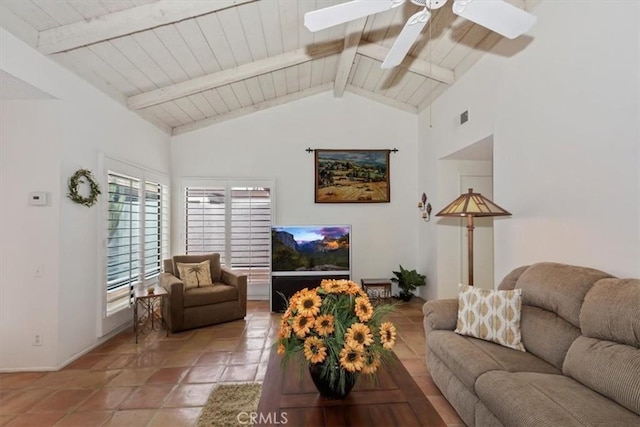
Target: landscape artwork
(307, 249)
(352, 176)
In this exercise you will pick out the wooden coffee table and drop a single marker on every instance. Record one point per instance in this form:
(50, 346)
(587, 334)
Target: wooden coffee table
(394, 399)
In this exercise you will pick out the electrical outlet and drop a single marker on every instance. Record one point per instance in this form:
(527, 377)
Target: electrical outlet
(37, 339)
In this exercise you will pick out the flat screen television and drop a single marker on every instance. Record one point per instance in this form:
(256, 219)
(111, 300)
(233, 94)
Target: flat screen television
(321, 250)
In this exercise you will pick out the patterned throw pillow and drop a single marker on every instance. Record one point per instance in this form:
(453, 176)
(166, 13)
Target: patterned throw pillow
(195, 275)
(490, 315)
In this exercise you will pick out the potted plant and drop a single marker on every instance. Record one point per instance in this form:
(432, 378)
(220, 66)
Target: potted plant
(408, 281)
(336, 332)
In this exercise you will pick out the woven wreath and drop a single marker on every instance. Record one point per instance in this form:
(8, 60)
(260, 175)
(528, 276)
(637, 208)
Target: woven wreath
(80, 177)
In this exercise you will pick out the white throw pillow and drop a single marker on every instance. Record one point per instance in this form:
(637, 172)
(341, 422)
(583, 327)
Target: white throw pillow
(195, 275)
(490, 315)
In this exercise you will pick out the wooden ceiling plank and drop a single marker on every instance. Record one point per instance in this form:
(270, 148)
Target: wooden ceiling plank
(228, 76)
(414, 65)
(304, 75)
(270, 18)
(60, 11)
(289, 25)
(235, 35)
(317, 67)
(280, 83)
(382, 99)
(330, 69)
(114, 57)
(423, 91)
(89, 9)
(145, 63)
(216, 101)
(413, 83)
(364, 68)
(266, 83)
(202, 104)
(30, 13)
(291, 74)
(253, 31)
(252, 109)
(353, 35)
(215, 36)
(189, 107)
(178, 48)
(255, 91)
(126, 22)
(150, 42)
(194, 38)
(229, 97)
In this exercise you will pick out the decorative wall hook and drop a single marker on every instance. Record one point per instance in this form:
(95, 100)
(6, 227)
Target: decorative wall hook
(425, 207)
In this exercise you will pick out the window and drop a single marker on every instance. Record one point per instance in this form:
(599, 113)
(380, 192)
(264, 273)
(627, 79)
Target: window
(233, 220)
(137, 235)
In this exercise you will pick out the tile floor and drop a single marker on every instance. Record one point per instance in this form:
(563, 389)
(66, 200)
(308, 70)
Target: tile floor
(165, 381)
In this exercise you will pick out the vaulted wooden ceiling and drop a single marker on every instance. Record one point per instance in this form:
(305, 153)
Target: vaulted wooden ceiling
(185, 64)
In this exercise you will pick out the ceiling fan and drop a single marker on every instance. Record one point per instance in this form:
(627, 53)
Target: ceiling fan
(496, 15)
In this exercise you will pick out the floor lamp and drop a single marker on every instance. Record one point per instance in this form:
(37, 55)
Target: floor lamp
(471, 205)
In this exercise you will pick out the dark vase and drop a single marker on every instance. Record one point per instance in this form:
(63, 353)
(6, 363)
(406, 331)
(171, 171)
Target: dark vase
(328, 382)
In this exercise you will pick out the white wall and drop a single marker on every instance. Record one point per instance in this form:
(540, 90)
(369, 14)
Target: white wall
(42, 143)
(272, 143)
(564, 116)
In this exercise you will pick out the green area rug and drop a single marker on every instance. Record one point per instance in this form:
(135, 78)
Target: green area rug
(231, 405)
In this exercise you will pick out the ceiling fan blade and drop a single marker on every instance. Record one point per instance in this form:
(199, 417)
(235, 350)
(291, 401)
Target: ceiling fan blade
(345, 12)
(406, 38)
(496, 15)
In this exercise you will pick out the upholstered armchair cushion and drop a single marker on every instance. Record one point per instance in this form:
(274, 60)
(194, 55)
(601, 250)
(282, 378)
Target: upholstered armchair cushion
(185, 308)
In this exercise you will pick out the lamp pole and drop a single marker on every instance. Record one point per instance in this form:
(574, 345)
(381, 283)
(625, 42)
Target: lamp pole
(470, 228)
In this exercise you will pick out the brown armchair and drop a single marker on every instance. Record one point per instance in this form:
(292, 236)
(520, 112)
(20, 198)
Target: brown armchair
(187, 308)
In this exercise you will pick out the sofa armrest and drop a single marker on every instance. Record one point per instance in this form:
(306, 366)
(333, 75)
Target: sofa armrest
(232, 278)
(174, 311)
(440, 315)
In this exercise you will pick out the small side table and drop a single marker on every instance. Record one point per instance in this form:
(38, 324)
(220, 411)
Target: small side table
(151, 318)
(378, 290)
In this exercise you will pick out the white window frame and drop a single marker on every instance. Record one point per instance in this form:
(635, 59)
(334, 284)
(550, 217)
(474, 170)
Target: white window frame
(255, 291)
(110, 321)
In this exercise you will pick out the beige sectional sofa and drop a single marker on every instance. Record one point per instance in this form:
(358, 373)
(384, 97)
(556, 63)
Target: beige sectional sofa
(581, 331)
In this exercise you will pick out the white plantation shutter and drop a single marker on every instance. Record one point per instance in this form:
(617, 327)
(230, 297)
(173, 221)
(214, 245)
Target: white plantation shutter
(137, 234)
(123, 240)
(250, 241)
(232, 220)
(205, 221)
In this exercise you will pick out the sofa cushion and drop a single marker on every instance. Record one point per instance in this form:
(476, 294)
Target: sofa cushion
(196, 274)
(558, 288)
(490, 315)
(609, 368)
(546, 334)
(208, 295)
(216, 269)
(611, 311)
(533, 399)
(471, 357)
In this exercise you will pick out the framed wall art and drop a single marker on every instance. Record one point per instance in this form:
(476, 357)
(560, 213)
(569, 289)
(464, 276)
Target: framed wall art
(352, 176)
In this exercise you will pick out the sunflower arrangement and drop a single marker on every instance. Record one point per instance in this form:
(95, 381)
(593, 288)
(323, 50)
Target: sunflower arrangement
(337, 330)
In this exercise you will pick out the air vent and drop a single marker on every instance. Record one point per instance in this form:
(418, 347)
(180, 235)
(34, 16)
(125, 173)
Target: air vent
(464, 117)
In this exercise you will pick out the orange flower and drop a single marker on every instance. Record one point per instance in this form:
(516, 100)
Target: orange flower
(364, 310)
(302, 325)
(285, 331)
(371, 363)
(324, 324)
(351, 288)
(358, 336)
(309, 303)
(314, 350)
(281, 349)
(351, 359)
(332, 286)
(387, 335)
